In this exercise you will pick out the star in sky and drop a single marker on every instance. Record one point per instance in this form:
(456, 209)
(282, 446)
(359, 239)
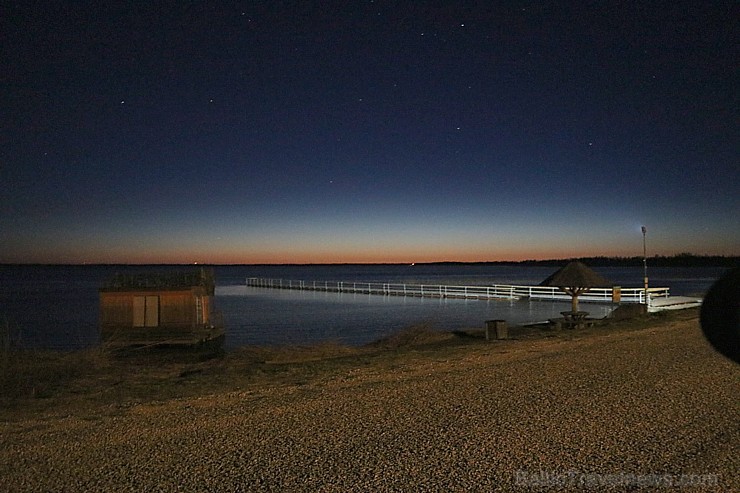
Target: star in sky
(478, 132)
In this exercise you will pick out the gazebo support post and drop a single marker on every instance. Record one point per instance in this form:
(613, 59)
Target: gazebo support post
(573, 292)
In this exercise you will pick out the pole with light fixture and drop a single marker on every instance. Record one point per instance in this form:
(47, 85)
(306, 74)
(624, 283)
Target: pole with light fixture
(644, 265)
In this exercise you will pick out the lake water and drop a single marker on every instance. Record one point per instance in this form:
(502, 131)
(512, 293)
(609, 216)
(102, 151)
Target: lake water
(57, 306)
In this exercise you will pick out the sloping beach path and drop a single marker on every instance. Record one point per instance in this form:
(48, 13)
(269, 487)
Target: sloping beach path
(608, 412)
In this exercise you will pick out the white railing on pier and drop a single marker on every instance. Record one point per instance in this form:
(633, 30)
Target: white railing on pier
(495, 291)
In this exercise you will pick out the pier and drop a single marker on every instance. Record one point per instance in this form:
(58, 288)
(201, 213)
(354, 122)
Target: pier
(492, 292)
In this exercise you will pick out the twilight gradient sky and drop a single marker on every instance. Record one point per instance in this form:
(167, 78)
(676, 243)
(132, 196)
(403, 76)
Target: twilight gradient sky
(367, 131)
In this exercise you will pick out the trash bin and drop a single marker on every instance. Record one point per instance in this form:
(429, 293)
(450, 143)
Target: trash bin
(497, 327)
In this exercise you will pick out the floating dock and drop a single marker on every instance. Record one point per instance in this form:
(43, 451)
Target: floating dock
(673, 303)
(659, 298)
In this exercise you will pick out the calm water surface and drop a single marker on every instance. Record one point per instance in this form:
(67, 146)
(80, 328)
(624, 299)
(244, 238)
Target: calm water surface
(57, 306)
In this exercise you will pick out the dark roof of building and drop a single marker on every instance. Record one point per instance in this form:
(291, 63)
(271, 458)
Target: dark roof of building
(161, 281)
(576, 275)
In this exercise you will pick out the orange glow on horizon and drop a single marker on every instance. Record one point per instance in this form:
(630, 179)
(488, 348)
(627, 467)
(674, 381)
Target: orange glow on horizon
(337, 250)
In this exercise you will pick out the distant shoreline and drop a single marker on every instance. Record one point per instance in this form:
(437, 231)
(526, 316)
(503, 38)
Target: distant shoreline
(680, 260)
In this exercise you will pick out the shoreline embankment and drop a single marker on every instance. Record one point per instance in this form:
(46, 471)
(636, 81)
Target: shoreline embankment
(644, 404)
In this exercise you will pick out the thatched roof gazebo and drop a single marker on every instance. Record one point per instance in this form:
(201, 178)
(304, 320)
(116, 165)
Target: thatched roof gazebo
(575, 279)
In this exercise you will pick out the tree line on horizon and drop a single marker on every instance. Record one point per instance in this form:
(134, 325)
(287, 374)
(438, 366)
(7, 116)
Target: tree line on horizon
(678, 260)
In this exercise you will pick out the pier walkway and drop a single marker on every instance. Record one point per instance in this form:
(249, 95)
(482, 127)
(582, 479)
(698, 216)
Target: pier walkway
(494, 291)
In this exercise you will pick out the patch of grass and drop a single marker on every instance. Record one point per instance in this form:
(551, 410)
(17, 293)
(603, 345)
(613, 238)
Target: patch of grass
(98, 380)
(416, 335)
(39, 374)
(627, 324)
(303, 354)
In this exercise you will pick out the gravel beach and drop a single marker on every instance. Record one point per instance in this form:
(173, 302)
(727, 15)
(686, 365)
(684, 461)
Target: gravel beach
(649, 410)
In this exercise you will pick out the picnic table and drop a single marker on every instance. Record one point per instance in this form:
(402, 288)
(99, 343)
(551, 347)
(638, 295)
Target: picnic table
(570, 316)
(570, 320)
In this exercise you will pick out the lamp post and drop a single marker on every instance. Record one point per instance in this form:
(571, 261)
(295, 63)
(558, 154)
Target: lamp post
(644, 264)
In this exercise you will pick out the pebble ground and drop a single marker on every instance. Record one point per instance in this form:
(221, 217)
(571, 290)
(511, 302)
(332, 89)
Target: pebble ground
(651, 410)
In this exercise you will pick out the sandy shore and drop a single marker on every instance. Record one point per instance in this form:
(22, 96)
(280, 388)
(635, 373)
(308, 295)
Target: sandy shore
(610, 412)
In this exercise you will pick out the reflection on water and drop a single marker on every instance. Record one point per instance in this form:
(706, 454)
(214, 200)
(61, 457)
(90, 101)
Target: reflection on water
(277, 316)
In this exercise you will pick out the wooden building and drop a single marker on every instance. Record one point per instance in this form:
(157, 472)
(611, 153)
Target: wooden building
(160, 309)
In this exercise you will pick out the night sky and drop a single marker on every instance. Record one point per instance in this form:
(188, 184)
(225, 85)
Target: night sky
(373, 131)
